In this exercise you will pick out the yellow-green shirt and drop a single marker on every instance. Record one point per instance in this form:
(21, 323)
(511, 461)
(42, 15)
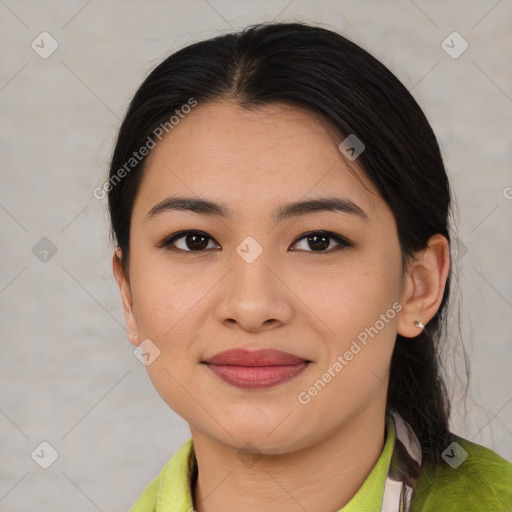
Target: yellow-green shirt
(482, 483)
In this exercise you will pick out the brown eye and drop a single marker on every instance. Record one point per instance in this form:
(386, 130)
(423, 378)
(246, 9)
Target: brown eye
(196, 241)
(188, 241)
(319, 241)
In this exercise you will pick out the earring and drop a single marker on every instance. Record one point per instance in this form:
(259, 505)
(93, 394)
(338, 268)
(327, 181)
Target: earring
(419, 324)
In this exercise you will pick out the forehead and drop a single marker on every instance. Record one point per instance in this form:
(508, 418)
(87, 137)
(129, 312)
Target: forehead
(271, 155)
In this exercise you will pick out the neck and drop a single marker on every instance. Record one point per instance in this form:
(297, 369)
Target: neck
(324, 476)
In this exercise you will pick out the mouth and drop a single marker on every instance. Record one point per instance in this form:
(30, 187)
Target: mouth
(256, 369)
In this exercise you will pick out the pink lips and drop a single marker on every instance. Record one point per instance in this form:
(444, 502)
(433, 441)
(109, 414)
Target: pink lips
(256, 369)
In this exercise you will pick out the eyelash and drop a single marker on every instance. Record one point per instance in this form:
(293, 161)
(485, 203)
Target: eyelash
(167, 242)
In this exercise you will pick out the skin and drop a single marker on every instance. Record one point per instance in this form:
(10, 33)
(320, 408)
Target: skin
(313, 304)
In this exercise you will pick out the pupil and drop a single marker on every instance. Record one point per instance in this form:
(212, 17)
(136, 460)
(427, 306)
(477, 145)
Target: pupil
(194, 238)
(322, 245)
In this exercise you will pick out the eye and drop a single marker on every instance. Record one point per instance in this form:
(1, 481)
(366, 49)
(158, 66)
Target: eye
(193, 241)
(319, 241)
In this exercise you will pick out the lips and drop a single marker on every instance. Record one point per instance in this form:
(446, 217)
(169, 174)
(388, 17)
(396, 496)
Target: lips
(265, 357)
(256, 369)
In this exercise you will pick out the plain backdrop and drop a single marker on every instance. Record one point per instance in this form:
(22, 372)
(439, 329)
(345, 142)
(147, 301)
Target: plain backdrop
(68, 374)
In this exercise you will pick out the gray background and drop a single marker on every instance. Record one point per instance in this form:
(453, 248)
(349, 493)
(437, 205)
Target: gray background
(68, 374)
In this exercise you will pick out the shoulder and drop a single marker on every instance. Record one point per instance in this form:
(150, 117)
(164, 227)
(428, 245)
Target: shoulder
(171, 485)
(147, 500)
(471, 478)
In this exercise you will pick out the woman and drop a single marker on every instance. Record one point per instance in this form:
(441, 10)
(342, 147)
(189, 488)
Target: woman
(280, 212)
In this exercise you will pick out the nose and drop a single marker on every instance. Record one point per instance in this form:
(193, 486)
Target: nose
(254, 296)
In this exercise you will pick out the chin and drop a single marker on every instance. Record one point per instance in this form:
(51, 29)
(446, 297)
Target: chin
(266, 439)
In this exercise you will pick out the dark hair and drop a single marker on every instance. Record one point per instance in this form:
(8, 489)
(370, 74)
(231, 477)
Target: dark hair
(323, 72)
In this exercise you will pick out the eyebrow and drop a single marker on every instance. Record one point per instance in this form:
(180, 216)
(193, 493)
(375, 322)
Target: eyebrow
(210, 208)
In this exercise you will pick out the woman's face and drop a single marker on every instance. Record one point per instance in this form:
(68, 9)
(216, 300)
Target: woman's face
(254, 280)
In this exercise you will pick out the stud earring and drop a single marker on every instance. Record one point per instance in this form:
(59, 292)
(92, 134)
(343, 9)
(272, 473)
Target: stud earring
(419, 324)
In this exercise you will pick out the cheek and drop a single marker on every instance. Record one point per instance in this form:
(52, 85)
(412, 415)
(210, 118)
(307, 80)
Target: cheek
(353, 369)
(350, 297)
(166, 297)
(167, 315)
(361, 308)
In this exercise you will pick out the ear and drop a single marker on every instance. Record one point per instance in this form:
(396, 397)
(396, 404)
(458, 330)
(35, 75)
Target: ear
(132, 331)
(424, 286)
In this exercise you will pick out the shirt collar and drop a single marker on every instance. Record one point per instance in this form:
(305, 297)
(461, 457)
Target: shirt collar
(177, 479)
